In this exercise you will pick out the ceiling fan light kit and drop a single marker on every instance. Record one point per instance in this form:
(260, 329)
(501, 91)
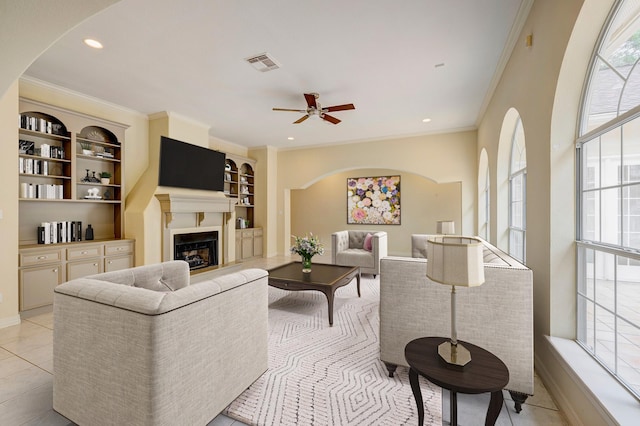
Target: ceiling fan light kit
(314, 108)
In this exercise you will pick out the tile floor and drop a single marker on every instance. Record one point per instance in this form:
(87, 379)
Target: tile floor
(26, 382)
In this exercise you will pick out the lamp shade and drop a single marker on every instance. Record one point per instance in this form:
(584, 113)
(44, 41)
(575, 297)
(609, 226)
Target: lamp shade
(454, 260)
(446, 227)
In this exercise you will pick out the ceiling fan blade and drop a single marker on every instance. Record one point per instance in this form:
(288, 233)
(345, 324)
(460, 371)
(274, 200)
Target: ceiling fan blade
(339, 107)
(329, 118)
(311, 100)
(288, 109)
(301, 119)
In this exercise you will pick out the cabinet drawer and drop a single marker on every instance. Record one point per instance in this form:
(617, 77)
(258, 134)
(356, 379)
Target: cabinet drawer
(82, 269)
(37, 284)
(40, 257)
(116, 263)
(124, 247)
(84, 252)
(247, 234)
(257, 232)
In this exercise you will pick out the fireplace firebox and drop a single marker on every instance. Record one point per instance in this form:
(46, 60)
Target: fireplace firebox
(198, 249)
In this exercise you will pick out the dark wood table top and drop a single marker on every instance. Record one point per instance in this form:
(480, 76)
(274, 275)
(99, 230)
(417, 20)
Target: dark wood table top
(321, 273)
(485, 373)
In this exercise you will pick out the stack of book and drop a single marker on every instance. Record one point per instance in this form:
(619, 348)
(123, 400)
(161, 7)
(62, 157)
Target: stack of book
(59, 232)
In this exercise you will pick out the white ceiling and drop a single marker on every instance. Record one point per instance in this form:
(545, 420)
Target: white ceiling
(187, 57)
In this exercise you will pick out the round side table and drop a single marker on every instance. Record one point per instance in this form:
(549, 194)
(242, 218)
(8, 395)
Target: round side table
(485, 373)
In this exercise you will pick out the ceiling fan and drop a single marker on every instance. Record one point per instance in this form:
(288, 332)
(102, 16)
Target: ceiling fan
(314, 108)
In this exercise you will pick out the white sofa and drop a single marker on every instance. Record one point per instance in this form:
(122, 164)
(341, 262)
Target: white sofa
(144, 346)
(347, 249)
(498, 315)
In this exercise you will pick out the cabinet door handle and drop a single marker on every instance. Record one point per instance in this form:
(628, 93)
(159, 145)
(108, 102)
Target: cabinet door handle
(111, 262)
(55, 270)
(42, 257)
(84, 252)
(95, 264)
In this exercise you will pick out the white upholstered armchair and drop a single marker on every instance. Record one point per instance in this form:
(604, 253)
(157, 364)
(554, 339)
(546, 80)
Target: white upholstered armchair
(354, 248)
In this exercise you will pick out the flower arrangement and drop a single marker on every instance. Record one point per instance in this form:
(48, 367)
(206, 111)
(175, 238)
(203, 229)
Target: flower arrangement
(307, 246)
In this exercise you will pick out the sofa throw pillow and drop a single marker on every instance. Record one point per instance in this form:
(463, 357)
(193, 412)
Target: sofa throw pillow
(367, 242)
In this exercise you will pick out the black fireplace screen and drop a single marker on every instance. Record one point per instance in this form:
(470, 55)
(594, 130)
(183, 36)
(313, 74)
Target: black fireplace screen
(198, 249)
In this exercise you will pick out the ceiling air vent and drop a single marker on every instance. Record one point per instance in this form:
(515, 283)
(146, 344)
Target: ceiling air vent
(263, 62)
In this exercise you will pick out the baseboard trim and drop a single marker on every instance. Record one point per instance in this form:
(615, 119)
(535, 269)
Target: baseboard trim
(9, 321)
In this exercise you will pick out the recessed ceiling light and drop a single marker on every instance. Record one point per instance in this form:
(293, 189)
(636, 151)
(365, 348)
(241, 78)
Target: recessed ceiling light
(93, 43)
(291, 138)
(426, 120)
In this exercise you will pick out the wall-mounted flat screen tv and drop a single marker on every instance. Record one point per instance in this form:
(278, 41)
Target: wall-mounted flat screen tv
(184, 165)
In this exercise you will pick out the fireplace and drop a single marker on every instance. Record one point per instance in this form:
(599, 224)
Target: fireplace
(198, 249)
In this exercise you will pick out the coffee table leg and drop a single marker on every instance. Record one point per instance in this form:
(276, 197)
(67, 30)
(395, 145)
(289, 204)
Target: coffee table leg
(358, 280)
(417, 394)
(329, 295)
(495, 405)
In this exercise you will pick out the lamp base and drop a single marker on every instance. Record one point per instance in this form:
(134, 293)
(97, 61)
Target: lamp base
(455, 356)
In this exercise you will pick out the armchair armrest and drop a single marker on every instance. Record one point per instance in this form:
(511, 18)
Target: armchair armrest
(379, 246)
(339, 242)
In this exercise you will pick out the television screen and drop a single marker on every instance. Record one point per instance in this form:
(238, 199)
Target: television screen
(184, 165)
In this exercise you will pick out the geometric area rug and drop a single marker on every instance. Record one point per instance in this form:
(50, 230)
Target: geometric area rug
(320, 375)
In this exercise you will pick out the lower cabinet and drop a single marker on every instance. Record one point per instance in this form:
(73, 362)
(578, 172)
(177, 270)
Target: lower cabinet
(248, 243)
(42, 268)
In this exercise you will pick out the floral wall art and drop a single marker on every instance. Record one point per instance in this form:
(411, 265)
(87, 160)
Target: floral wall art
(373, 200)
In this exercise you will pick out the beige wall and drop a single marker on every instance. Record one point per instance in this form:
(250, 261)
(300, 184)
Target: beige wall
(443, 158)
(9, 207)
(322, 208)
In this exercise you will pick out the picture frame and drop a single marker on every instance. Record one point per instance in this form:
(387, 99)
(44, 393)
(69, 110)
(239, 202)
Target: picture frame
(373, 200)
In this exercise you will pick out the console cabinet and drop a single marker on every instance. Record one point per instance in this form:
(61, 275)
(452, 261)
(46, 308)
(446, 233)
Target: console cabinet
(248, 243)
(42, 268)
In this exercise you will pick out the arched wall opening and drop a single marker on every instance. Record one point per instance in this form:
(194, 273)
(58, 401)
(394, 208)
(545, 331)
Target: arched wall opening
(321, 207)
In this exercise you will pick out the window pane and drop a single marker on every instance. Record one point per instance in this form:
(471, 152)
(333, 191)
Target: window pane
(631, 151)
(518, 150)
(610, 219)
(586, 333)
(611, 158)
(586, 281)
(630, 98)
(591, 164)
(516, 244)
(591, 216)
(604, 93)
(605, 337)
(631, 216)
(605, 280)
(628, 306)
(628, 360)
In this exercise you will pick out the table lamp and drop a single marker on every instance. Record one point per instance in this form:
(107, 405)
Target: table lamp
(455, 261)
(446, 227)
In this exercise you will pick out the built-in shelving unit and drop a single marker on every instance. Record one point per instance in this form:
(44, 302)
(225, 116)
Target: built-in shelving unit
(61, 156)
(239, 183)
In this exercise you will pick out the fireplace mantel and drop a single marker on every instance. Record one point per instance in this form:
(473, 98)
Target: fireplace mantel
(181, 203)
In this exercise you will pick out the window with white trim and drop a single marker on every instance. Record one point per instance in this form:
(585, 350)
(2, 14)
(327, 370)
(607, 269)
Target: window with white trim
(608, 244)
(517, 194)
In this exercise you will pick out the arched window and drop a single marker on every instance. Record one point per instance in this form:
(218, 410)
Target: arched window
(517, 194)
(608, 290)
(484, 196)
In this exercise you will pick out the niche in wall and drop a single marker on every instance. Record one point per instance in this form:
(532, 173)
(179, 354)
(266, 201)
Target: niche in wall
(321, 208)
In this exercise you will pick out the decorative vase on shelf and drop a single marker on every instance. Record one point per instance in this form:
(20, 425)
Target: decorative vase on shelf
(105, 181)
(306, 264)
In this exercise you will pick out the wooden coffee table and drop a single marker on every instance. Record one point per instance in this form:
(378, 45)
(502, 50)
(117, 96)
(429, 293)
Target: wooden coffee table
(484, 373)
(323, 277)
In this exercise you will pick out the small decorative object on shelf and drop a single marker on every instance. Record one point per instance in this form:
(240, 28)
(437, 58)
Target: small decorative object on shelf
(105, 178)
(89, 233)
(86, 148)
(307, 247)
(93, 194)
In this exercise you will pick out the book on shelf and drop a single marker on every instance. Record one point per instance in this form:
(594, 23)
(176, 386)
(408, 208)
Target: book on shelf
(59, 232)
